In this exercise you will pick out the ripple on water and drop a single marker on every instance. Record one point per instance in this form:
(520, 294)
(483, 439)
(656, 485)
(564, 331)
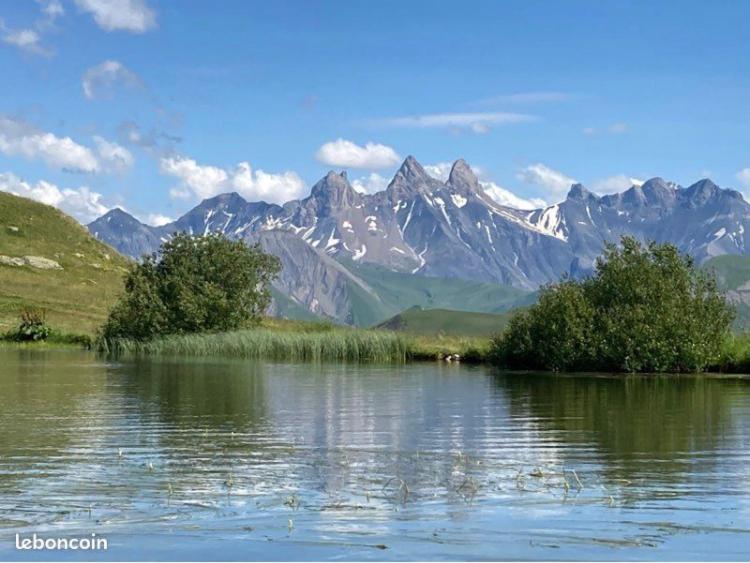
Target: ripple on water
(419, 461)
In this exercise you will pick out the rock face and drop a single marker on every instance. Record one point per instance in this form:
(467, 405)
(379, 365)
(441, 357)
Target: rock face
(452, 229)
(31, 261)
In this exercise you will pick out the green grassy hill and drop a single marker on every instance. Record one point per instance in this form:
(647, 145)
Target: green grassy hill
(433, 322)
(76, 297)
(400, 291)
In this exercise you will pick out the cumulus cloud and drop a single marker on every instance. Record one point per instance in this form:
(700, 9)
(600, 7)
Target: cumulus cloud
(82, 203)
(542, 175)
(18, 138)
(134, 16)
(114, 157)
(27, 40)
(477, 122)
(614, 184)
(103, 79)
(350, 155)
(155, 219)
(439, 170)
(744, 177)
(271, 188)
(370, 184)
(507, 198)
(206, 181)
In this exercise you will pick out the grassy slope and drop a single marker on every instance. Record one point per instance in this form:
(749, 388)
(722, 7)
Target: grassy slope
(400, 291)
(433, 322)
(76, 298)
(733, 272)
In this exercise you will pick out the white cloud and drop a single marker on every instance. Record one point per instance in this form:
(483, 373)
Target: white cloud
(25, 39)
(81, 203)
(526, 98)
(350, 155)
(114, 157)
(134, 16)
(102, 80)
(206, 181)
(542, 175)
(744, 177)
(202, 180)
(29, 40)
(271, 188)
(18, 138)
(614, 184)
(509, 199)
(614, 129)
(370, 184)
(476, 122)
(52, 9)
(439, 170)
(155, 219)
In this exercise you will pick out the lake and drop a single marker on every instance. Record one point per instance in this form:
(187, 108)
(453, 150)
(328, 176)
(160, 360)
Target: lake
(225, 459)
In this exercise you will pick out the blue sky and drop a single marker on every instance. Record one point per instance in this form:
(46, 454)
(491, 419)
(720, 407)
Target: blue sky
(152, 105)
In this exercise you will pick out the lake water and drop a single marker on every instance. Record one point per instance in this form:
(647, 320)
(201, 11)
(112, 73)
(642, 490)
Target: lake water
(222, 459)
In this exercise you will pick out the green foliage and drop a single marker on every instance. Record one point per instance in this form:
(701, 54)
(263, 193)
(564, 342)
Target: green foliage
(646, 309)
(33, 326)
(194, 284)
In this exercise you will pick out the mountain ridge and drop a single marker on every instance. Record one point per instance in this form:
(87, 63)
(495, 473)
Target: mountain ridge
(449, 229)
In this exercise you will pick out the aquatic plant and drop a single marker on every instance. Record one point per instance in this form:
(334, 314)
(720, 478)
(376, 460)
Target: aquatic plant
(330, 345)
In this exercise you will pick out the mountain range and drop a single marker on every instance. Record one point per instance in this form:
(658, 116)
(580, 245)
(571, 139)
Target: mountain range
(337, 243)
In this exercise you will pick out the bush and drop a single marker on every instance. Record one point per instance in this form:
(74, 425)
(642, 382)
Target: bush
(646, 309)
(33, 326)
(193, 284)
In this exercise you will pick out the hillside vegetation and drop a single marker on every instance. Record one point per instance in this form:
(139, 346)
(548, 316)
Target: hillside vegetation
(398, 291)
(77, 296)
(733, 275)
(435, 322)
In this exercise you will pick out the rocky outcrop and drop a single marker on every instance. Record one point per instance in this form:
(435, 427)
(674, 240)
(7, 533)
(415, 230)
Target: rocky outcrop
(32, 261)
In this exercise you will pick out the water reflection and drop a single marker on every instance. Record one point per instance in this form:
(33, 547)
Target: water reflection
(417, 461)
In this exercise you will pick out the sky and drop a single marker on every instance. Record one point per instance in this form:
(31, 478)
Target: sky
(154, 105)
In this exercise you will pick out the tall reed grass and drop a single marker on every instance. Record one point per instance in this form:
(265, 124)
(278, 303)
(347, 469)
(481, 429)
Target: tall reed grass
(262, 343)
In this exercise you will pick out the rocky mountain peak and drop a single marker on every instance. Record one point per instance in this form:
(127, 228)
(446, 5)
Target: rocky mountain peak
(334, 190)
(701, 192)
(225, 201)
(579, 192)
(411, 170)
(462, 176)
(658, 191)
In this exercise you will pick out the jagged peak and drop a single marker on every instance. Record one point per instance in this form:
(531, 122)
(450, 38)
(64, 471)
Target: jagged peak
(335, 189)
(462, 175)
(579, 191)
(223, 199)
(411, 169)
(701, 191)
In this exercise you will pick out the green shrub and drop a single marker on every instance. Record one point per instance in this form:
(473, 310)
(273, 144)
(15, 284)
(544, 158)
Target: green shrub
(33, 326)
(646, 309)
(194, 284)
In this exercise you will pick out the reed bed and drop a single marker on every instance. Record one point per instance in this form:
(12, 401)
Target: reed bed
(263, 343)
